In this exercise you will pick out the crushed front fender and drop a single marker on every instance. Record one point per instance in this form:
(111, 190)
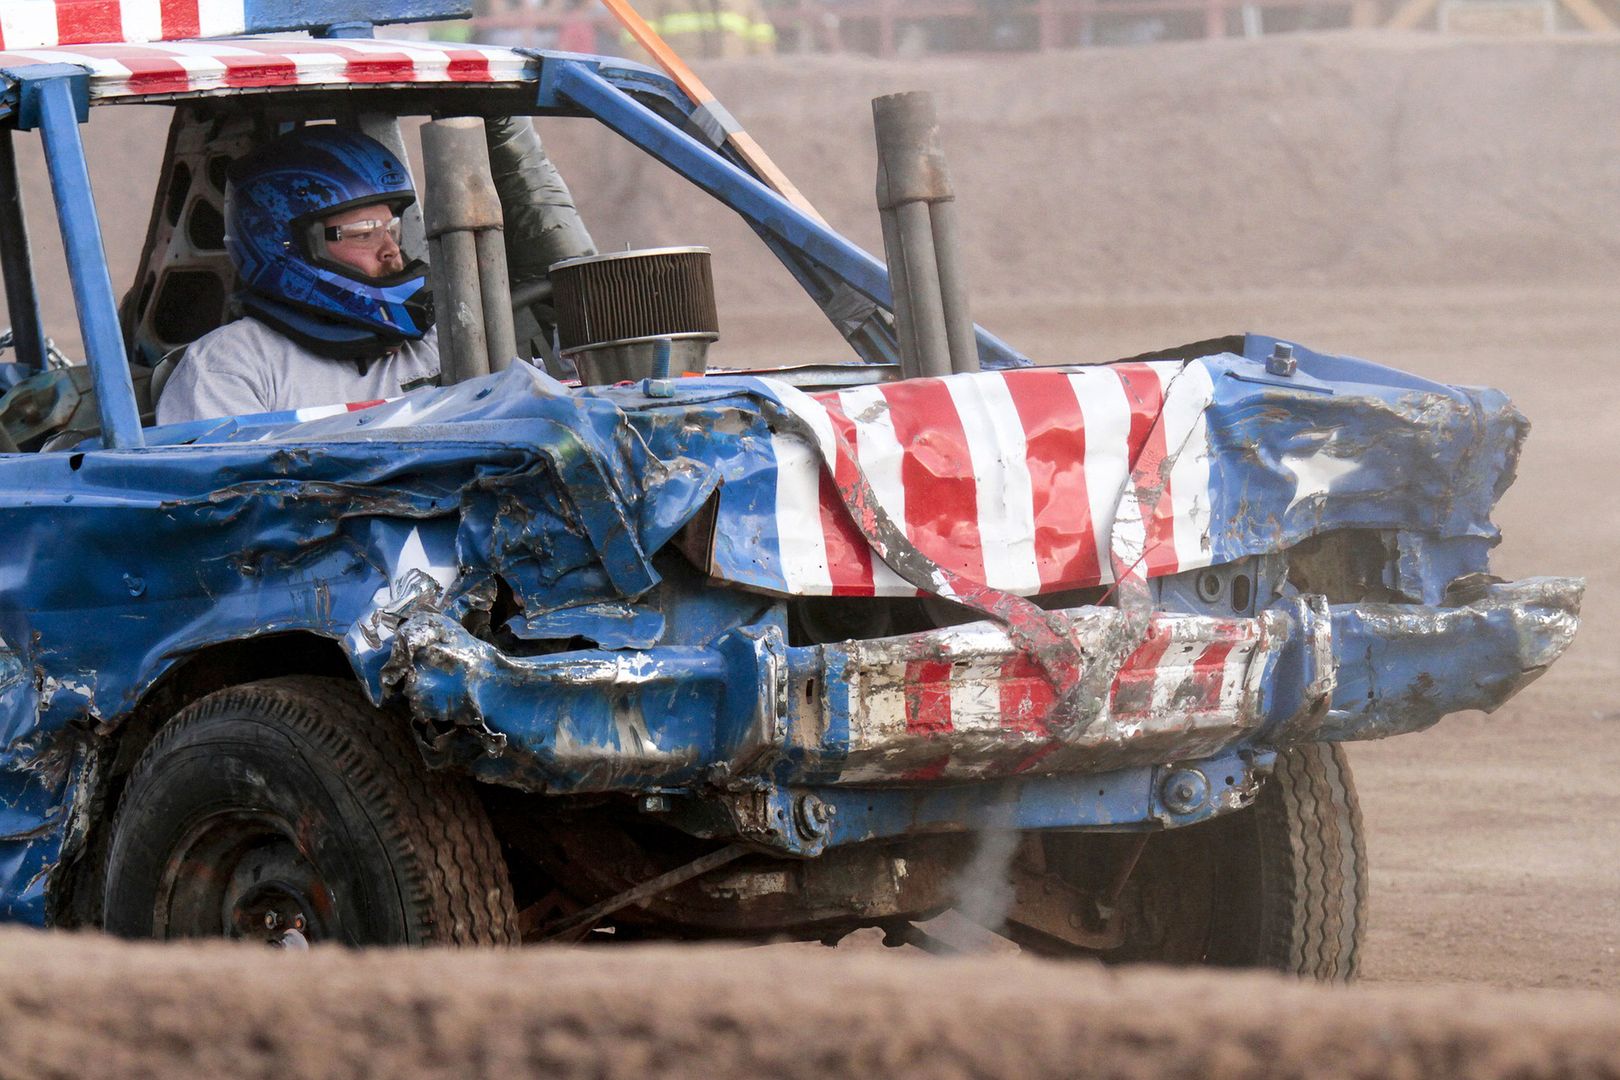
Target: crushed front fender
(1401, 667)
(964, 703)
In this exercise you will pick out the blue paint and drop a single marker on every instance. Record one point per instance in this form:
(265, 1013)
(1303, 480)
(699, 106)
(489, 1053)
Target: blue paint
(31, 83)
(268, 526)
(1402, 454)
(274, 16)
(1402, 667)
(1117, 800)
(58, 98)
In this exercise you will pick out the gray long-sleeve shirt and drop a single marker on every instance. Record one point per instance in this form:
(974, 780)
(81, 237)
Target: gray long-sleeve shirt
(247, 367)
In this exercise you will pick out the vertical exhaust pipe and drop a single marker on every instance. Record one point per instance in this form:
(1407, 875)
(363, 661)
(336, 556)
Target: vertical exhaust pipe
(917, 207)
(466, 250)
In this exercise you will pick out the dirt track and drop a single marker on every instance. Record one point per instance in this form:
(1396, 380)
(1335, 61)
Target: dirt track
(1451, 209)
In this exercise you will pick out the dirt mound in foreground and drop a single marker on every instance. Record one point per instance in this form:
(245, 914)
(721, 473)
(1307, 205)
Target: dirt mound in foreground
(94, 1008)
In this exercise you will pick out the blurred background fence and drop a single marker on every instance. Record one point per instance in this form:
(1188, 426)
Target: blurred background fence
(891, 28)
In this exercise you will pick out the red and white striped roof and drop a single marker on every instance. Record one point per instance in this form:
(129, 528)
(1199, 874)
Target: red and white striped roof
(180, 67)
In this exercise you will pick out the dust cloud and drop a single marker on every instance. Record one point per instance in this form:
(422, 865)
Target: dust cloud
(983, 888)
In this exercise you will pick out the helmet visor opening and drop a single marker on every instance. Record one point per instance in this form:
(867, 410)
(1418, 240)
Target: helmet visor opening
(350, 247)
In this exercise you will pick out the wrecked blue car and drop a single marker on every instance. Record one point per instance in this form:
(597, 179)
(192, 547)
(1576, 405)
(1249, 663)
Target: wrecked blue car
(632, 649)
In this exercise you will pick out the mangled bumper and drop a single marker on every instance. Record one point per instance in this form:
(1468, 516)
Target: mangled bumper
(963, 703)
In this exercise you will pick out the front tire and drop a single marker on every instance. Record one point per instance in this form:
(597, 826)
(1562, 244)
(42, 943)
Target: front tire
(291, 808)
(1281, 884)
(1297, 901)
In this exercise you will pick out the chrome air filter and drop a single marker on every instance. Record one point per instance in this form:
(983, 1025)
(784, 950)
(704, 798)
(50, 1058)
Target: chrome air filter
(636, 314)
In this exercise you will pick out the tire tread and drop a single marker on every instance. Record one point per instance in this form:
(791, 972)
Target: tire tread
(450, 864)
(1314, 865)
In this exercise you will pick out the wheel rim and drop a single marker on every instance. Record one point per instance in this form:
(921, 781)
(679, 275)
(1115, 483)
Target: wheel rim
(244, 876)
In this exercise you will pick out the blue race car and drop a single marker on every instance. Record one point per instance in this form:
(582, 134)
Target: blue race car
(580, 647)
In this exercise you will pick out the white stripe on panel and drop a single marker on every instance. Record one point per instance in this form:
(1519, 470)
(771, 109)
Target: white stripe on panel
(798, 517)
(1107, 417)
(1234, 681)
(1187, 396)
(141, 20)
(976, 695)
(28, 23)
(808, 409)
(108, 77)
(1173, 674)
(880, 455)
(203, 66)
(217, 17)
(1006, 502)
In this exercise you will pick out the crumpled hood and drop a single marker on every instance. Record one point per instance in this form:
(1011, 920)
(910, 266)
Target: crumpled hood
(1016, 479)
(511, 500)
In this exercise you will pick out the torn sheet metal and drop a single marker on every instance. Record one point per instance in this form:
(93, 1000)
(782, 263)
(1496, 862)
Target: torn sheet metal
(964, 703)
(1401, 667)
(497, 556)
(257, 529)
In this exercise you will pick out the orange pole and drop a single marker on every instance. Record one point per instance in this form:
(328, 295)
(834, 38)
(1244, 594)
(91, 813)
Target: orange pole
(710, 116)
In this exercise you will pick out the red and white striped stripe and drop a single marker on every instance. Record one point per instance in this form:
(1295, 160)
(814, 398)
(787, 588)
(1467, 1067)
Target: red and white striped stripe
(977, 708)
(174, 67)
(34, 24)
(1014, 479)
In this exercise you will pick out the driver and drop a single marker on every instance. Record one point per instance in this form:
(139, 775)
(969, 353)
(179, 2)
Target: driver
(334, 310)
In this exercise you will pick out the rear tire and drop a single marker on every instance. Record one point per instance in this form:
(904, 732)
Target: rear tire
(292, 808)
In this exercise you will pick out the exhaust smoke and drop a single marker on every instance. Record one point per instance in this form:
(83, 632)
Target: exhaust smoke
(983, 888)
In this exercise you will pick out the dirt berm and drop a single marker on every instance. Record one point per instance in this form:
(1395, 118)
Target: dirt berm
(78, 1006)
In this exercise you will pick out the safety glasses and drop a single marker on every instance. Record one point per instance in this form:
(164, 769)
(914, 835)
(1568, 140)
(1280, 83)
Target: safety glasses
(372, 234)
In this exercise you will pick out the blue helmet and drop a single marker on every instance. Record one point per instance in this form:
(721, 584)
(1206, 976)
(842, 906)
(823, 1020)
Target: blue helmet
(274, 202)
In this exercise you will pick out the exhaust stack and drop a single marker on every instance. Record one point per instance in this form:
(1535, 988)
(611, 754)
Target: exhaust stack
(917, 206)
(466, 250)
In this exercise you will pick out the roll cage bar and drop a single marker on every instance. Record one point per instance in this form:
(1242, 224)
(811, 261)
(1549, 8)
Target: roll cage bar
(846, 282)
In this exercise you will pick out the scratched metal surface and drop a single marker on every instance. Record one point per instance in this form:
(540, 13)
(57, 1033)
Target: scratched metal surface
(497, 560)
(389, 529)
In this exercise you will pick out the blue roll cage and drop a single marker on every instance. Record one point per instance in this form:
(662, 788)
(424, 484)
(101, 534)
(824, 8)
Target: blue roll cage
(849, 284)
